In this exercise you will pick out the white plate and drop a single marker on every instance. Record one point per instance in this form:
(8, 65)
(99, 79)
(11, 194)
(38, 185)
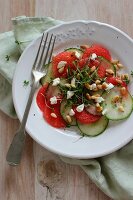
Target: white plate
(65, 142)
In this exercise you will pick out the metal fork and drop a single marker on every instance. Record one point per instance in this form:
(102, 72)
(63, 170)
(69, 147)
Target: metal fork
(43, 56)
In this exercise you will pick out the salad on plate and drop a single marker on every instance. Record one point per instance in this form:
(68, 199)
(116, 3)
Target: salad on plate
(84, 87)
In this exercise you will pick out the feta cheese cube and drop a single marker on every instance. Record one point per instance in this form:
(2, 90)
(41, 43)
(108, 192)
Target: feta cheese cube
(109, 86)
(80, 108)
(104, 111)
(71, 113)
(99, 99)
(77, 54)
(94, 86)
(61, 64)
(73, 82)
(69, 94)
(53, 100)
(56, 81)
(93, 56)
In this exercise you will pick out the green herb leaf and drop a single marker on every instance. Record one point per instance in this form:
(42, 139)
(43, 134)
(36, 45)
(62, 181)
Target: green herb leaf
(132, 73)
(17, 42)
(126, 80)
(25, 83)
(7, 57)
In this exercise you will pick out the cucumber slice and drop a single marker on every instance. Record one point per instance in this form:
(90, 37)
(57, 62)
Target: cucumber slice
(48, 76)
(113, 112)
(95, 128)
(64, 110)
(74, 50)
(52, 91)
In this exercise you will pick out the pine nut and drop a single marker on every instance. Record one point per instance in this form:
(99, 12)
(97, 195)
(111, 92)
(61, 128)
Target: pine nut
(93, 69)
(121, 109)
(78, 76)
(109, 71)
(97, 81)
(69, 119)
(120, 65)
(119, 81)
(87, 85)
(123, 91)
(115, 99)
(53, 115)
(115, 61)
(95, 96)
(88, 96)
(84, 47)
(61, 70)
(104, 85)
(99, 109)
(97, 104)
(99, 87)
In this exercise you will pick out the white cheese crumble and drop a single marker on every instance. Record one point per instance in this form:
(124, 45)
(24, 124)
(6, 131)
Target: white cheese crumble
(53, 100)
(93, 56)
(94, 86)
(80, 108)
(109, 86)
(69, 94)
(61, 64)
(71, 113)
(104, 111)
(77, 54)
(99, 99)
(56, 81)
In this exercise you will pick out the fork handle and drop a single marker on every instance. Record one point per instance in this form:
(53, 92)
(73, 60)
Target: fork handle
(14, 153)
(15, 150)
(29, 102)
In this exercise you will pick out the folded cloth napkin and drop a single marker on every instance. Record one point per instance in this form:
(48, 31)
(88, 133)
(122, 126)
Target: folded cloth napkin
(113, 173)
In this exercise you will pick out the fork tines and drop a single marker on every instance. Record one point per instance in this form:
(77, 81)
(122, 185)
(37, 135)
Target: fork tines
(45, 50)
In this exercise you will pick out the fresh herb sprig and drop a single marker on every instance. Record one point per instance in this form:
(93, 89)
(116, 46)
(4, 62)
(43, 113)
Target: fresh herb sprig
(132, 73)
(26, 83)
(85, 76)
(7, 57)
(18, 42)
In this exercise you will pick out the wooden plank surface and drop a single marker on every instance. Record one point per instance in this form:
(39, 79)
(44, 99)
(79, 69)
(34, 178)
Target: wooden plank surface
(42, 175)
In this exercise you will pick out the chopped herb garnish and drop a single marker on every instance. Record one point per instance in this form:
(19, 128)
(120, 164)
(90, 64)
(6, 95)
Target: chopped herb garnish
(68, 125)
(132, 73)
(25, 83)
(7, 57)
(126, 80)
(17, 42)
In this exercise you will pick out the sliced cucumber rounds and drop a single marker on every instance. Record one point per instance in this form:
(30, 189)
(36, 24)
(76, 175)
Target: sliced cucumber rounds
(114, 105)
(73, 50)
(120, 109)
(95, 128)
(48, 76)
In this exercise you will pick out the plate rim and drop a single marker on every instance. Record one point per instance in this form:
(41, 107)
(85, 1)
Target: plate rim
(15, 104)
